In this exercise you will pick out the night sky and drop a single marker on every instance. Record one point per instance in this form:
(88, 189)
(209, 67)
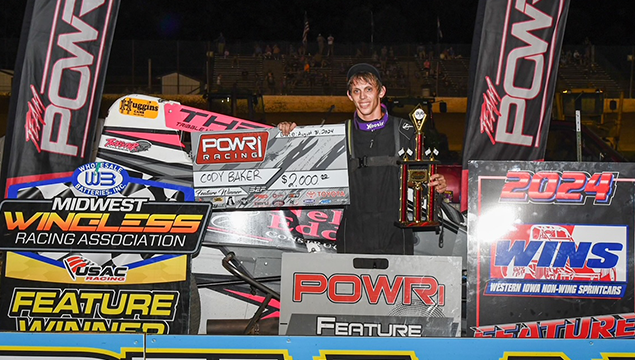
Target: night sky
(603, 22)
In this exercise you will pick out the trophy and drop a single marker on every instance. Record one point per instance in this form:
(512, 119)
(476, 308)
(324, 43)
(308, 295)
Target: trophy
(415, 177)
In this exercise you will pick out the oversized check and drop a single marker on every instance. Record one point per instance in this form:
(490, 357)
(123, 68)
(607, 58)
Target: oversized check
(261, 168)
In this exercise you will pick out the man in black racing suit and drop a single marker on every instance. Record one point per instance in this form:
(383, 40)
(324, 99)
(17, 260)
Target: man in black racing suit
(375, 139)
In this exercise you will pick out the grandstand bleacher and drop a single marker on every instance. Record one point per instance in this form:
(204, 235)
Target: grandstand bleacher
(403, 76)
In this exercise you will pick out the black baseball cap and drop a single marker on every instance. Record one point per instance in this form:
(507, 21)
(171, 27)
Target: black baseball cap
(360, 68)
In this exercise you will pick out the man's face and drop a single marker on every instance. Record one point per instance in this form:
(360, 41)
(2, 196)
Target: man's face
(367, 99)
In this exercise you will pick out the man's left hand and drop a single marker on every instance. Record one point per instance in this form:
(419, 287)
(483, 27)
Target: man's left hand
(438, 181)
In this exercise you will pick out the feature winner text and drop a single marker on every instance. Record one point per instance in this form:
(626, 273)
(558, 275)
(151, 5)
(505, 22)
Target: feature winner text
(47, 310)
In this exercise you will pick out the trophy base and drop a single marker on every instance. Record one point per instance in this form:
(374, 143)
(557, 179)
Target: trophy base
(423, 225)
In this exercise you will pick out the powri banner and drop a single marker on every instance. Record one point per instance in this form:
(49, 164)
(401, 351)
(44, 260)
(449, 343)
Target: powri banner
(59, 80)
(514, 63)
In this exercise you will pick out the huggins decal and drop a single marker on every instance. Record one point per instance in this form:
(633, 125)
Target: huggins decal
(138, 107)
(232, 148)
(41, 309)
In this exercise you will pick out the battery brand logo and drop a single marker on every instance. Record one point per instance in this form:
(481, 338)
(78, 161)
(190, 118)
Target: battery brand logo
(60, 112)
(552, 254)
(425, 289)
(232, 148)
(137, 107)
(80, 267)
(525, 66)
(100, 179)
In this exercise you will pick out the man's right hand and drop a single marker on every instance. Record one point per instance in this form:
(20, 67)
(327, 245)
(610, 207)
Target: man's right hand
(286, 127)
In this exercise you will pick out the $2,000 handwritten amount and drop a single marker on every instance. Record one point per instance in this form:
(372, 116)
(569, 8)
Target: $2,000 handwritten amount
(294, 180)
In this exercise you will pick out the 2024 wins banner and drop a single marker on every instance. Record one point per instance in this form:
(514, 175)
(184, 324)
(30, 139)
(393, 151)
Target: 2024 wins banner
(550, 249)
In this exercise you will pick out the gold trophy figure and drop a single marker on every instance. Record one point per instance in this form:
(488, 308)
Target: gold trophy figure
(415, 177)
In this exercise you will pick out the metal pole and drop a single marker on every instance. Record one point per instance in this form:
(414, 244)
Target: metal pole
(133, 74)
(150, 75)
(372, 31)
(178, 70)
(437, 74)
(630, 86)
(578, 135)
(208, 74)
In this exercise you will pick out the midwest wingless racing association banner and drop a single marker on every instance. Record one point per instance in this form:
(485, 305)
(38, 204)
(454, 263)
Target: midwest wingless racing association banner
(61, 65)
(550, 250)
(99, 251)
(515, 54)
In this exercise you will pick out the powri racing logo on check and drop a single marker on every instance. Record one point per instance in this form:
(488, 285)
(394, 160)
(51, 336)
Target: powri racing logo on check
(232, 148)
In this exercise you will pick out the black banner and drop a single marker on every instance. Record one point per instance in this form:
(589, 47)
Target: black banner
(61, 65)
(515, 56)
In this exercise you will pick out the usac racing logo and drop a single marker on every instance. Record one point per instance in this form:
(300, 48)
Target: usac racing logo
(232, 148)
(78, 266)
(137, 107)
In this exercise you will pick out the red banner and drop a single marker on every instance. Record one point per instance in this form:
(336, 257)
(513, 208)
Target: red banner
(515, 55)
(58, 85)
